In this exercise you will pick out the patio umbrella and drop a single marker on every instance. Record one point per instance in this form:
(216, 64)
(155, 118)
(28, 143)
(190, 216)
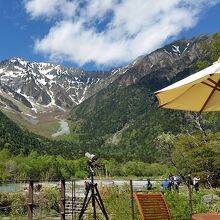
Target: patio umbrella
(199, 92)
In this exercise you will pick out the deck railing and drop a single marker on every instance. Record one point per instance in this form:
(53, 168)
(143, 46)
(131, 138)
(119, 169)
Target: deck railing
(67, 197)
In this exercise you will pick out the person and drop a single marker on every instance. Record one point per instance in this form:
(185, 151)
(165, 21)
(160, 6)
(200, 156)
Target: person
(176, 182)
(86, 184)
(38, 187)
(164, 184)
(196, 183)
(171, 181)
(149, 184)
(190, 182)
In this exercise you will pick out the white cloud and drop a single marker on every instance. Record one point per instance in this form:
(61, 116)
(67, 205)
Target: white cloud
(50, 8)
(111, 32)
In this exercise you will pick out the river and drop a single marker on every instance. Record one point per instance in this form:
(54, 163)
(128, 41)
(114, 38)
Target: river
(64, 128)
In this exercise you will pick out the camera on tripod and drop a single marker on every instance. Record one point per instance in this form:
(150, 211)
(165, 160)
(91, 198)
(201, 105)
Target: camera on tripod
(91, 163)
(92, 193)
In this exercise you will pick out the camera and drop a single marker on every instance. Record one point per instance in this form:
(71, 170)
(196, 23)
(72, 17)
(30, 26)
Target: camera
(92, 157)
(91, 163)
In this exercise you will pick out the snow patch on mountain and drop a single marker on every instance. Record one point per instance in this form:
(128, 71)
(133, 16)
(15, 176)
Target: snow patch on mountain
(176, 49)
(42, 81)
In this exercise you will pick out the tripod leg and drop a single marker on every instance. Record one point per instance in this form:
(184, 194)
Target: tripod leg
(85, 203)
(93, 204)
(100, 203)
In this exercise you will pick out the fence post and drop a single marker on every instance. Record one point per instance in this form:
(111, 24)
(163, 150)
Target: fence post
(190, 200)
(132, 200)
(75, 198)
(62, 200)
(30, 200)
(72, 199)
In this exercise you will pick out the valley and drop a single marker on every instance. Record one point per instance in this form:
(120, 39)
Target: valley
(112, 113)
(35, 94)
(44, 123)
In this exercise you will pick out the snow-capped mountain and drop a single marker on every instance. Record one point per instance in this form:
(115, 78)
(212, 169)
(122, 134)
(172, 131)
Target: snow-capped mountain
(32, 88)
(37, 94)
(44, 85)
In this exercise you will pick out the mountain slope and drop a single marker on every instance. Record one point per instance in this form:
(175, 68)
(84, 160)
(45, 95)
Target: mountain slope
(124, 116)
(150, 73)
(13, 138)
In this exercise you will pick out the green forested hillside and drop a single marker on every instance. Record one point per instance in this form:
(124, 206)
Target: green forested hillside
(131, 114)
(111, 109)
(20, 141)
(15, 139)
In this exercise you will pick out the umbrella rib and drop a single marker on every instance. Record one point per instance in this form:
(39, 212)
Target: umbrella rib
(210, 95)
(210, 86)
(212, 81)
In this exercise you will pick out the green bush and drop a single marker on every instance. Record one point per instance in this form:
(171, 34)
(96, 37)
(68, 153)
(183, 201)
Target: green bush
(13, 204)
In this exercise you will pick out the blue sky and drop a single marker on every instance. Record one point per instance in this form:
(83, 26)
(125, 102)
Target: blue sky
(99, 34)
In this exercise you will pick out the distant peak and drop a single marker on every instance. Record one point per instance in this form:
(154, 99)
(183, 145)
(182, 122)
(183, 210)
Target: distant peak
(14, 59)
(19, 60)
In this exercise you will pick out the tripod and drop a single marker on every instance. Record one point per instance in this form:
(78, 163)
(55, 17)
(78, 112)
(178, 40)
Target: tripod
(94, 196)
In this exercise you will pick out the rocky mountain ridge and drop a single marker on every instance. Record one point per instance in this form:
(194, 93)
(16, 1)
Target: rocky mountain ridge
(44, 85)
(163, 64)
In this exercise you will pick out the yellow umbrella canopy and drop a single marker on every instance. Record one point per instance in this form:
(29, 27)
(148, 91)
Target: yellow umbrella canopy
(199, 92)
